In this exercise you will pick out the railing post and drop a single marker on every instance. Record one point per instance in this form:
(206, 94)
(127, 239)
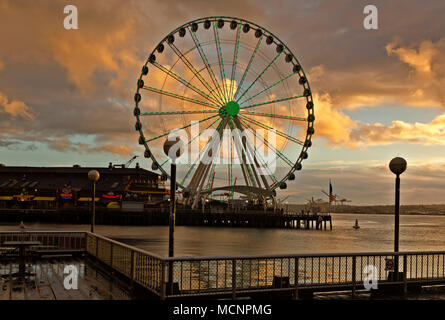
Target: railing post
(111, 254)
(405, 280)
(132, 265)
(163, 281)
(353, 275)
(86, 241)
(97, 247)
(296, 277)
(234, 279)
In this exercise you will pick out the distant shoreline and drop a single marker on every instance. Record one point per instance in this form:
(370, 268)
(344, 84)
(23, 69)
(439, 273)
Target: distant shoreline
(430, 210)
(392, 213)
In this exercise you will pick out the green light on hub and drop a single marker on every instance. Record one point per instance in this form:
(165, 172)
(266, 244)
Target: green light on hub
(232, 108)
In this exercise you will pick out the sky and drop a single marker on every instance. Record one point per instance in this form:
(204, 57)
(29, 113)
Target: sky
(66, 96)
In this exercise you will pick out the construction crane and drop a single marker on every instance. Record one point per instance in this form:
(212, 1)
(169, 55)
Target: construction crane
(125, 165)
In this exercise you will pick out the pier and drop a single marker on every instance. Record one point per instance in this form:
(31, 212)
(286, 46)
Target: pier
(159, 216)
(295, 276)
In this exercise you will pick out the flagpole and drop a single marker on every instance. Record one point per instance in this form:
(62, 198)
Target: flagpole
(330, 196)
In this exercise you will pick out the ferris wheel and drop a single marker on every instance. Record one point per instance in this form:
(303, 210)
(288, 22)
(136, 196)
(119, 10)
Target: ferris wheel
(226, 76)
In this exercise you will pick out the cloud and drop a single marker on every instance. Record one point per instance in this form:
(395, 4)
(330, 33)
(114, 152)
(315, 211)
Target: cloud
(399, 131)
(4, 143)
(65, 144)
(15, 108)
(420, 59)
(122, 149)
(332, 124)
(421, 85)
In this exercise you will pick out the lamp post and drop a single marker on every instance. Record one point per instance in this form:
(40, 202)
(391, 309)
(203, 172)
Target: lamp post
(397, 166)
(170, 152)
(93, 176)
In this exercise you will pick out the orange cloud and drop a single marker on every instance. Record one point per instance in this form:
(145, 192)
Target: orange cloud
(15, 108)
(420, 59)
(332, 124)
(122, 149)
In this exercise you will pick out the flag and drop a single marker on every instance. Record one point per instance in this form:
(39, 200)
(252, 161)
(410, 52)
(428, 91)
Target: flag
(331, 196)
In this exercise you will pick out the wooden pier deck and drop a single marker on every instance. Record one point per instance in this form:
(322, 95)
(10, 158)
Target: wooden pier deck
(46, 281)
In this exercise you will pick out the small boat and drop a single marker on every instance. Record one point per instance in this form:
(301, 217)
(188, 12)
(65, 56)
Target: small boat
(356, 226)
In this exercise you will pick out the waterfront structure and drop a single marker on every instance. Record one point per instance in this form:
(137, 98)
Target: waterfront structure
(69, 187)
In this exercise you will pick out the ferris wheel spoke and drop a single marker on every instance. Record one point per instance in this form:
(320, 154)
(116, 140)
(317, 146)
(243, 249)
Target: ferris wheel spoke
(199, 155)
(196, 73)
(280, 133)
(235, 60)
(213, 169)
(177, 96)
(257, 157)
(199, 177)
(220, 61)
(184, 127)
(185, 82)
(273, 115)
(163, 163)
(260, 75)
(207, 64)
(266, 143)
(248, 177)
(250, 151)
(263, 162)
(172, 113)
(230, 165)
(269, 87)
(248, 65)
(273, 101)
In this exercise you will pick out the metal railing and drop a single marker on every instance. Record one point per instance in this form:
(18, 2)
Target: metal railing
(138, 265)
(235, 275)
(241, 274)
(56, 241)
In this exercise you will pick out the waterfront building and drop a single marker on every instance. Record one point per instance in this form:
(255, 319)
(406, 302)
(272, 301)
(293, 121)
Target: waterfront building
(60, 187)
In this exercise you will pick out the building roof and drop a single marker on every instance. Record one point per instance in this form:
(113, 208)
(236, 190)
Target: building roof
(52, 178)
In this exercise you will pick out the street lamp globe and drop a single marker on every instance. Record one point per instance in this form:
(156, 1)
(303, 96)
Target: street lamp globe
(168, 144)
(397, 165)
(93, 175)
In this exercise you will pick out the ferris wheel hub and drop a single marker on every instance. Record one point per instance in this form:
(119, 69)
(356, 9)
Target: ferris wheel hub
(231, 108)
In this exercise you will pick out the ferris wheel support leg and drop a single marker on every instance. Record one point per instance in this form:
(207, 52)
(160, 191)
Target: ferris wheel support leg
(198, 179)
(245, 170)
(242, 163)
(251, 154)
(274, 204)
(201, 184)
